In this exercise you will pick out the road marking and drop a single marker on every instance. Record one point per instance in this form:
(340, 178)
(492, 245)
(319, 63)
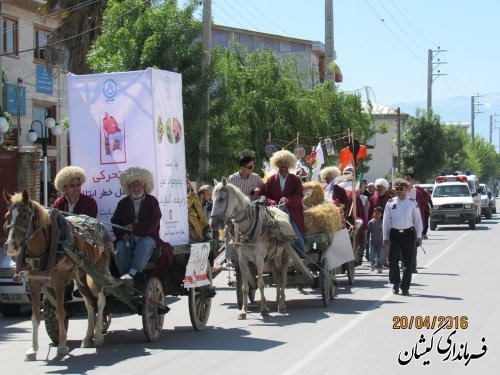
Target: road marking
(300, 367)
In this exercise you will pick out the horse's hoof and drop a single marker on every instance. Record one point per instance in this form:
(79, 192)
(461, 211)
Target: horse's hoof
(264, 313)
(62, 350)
(242, 316)
(282, 310)
(87, 343)
(30, 356)
(98, 341)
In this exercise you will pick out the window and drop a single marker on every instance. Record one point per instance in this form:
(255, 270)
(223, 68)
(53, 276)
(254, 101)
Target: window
(10, 36)
(40, 111)
(40, 38)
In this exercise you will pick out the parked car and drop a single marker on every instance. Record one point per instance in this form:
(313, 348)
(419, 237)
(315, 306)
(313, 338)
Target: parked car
(12, 295)
(486, 201)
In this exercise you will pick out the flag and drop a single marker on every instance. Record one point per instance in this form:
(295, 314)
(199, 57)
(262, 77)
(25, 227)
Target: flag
(346, 157)
(318, 162)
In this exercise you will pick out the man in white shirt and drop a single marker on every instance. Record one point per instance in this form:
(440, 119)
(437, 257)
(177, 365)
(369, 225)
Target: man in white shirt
(402, 230)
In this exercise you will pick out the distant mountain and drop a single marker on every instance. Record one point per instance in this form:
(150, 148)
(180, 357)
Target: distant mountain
(458, 110)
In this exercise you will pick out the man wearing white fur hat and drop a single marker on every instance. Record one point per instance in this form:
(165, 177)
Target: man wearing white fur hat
(285, 189)
(69, 181)
(140, 214)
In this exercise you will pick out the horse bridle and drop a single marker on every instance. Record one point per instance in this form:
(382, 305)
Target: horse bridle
(31, 222)
(238, 217)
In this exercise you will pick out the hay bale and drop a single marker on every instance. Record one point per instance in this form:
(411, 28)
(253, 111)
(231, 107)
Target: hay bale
(324, 217)
(313, 194)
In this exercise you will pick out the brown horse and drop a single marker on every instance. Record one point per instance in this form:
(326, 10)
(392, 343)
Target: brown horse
(29, 232)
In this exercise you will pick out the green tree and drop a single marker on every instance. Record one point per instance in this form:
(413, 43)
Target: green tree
(255, 94)
(78, 29)
(482, 158)
(455, 155)
(422, 145)
(156, 33)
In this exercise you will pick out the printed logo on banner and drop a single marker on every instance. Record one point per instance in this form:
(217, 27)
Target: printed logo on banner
(109, 89)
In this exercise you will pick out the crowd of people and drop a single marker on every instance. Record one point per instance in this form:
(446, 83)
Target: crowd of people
(391, 221)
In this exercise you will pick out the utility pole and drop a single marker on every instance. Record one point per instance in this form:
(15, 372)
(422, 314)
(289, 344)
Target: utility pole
(474, 110)
(431, 76)
(398, 119)
(491, 125)
(329, 45)
(205, 140)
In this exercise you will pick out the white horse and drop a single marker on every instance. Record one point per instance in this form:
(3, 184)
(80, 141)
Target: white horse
(258, 234)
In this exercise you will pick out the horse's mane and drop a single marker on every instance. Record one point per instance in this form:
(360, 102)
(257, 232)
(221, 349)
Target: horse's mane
(42, 213)
(242, 198)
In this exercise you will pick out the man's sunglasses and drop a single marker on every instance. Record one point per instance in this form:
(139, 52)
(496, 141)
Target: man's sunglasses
(400, 188)
(249, 167)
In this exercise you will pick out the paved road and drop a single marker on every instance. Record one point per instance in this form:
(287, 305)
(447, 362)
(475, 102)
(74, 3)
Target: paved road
(458, 277)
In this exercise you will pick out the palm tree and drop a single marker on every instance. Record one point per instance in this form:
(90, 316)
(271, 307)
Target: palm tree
(79, 27)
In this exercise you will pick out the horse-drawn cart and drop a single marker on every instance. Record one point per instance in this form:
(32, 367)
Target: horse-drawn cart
(146, 297)
(315, 271)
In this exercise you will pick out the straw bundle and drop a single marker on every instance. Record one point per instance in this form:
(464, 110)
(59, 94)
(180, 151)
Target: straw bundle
(324, 217)
(313, 194)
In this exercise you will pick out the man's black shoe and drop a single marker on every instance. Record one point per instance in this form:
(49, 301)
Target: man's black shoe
(405, 293)
(395, 289)
(414, 271)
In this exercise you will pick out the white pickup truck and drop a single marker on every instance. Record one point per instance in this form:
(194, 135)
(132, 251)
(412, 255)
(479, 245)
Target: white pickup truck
(12, 294)
(453, 204)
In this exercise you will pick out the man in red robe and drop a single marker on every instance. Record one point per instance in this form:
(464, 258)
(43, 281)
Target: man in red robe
(69, 181)
(285, 190)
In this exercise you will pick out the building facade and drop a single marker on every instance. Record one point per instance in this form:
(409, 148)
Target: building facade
(33, 90)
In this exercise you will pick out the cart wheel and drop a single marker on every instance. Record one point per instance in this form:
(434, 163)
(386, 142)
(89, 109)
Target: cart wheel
(152, 320)
(350, 272)
(51, 324)
(106, 321)
(200, 303)
(326, 283)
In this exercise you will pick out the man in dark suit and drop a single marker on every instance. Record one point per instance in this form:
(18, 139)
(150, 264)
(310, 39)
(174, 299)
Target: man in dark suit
(285, 190)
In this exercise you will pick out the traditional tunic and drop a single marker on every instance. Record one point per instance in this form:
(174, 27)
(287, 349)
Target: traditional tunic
(148, 224)
(85, 205)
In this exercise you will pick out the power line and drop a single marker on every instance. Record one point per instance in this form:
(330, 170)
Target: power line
(241, 15)
(393, 34)
(400, 27)
(229, 15)
(268, 19)
(56, 13)
(411, 25)
(76, 35)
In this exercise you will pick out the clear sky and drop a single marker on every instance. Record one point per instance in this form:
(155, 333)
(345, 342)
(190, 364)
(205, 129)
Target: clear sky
(383, 44)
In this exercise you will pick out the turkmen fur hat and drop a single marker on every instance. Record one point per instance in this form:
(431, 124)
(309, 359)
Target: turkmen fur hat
(331, 172)
(65, 175)
(137, 174)
(383, 182)
(283, 155)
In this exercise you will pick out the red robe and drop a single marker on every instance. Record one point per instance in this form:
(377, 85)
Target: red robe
(84, 206)
(149, 222)
(293, 192)
(377, 201)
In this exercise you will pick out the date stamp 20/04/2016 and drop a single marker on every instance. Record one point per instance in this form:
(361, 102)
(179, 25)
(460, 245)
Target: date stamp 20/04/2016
(430, 322)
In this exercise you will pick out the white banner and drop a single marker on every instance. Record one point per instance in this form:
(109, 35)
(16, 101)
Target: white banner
(340, 249)
(131, 119)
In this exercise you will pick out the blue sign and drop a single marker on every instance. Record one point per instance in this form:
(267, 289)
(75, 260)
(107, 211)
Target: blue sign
(109, 89)
(13, 105)
(44, 82)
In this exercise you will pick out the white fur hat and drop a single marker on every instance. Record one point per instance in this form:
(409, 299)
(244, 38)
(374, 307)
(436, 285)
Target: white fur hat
(137, 174)
(65, 175)
(383, 182)
(283, 155)
(331, 172)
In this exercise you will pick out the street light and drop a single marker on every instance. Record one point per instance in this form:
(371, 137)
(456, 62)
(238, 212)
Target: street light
(32, 136)
(491, 124)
